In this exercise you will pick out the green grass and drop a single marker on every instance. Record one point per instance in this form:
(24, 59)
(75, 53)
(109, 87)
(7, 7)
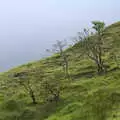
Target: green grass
(87, 96)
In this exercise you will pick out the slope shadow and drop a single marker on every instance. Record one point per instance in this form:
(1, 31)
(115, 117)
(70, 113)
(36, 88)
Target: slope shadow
(88, 74)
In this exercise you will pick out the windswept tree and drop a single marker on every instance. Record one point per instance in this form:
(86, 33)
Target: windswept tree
(30, 81)
(59, 48)
(92, 44)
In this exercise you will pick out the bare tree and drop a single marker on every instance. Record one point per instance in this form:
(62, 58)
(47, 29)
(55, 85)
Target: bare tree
(23, 81)
(30, 81)
(59, 48)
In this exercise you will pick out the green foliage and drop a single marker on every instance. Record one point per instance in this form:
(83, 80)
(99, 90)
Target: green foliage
(93, 45)
(87, 96)
(98, 26)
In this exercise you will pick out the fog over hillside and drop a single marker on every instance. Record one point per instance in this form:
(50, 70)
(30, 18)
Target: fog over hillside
(28, 27)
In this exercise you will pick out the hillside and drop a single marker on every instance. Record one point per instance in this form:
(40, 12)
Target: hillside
(85, 96)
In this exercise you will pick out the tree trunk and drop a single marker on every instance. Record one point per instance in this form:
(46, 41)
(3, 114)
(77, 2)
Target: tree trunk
(57, 96)
(33, 97)
(66, 68)
(100, 67)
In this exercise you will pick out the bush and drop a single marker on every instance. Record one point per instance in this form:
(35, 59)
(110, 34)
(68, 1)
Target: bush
(12, 105)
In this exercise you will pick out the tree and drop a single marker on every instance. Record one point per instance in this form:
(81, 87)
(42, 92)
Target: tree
(53, 86)
(53, 91)
(30, 81)
(59, 48)
(99, 27)
(92, 44)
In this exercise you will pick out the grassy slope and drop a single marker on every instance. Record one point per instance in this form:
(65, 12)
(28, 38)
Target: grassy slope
(86, 97)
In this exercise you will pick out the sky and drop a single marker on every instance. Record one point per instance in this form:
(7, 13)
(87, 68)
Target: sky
(29, 27)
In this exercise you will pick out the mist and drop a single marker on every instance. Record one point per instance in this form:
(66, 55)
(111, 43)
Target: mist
(29, 27)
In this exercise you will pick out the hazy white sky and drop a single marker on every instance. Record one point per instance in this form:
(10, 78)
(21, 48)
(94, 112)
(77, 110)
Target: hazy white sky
(28, 27)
